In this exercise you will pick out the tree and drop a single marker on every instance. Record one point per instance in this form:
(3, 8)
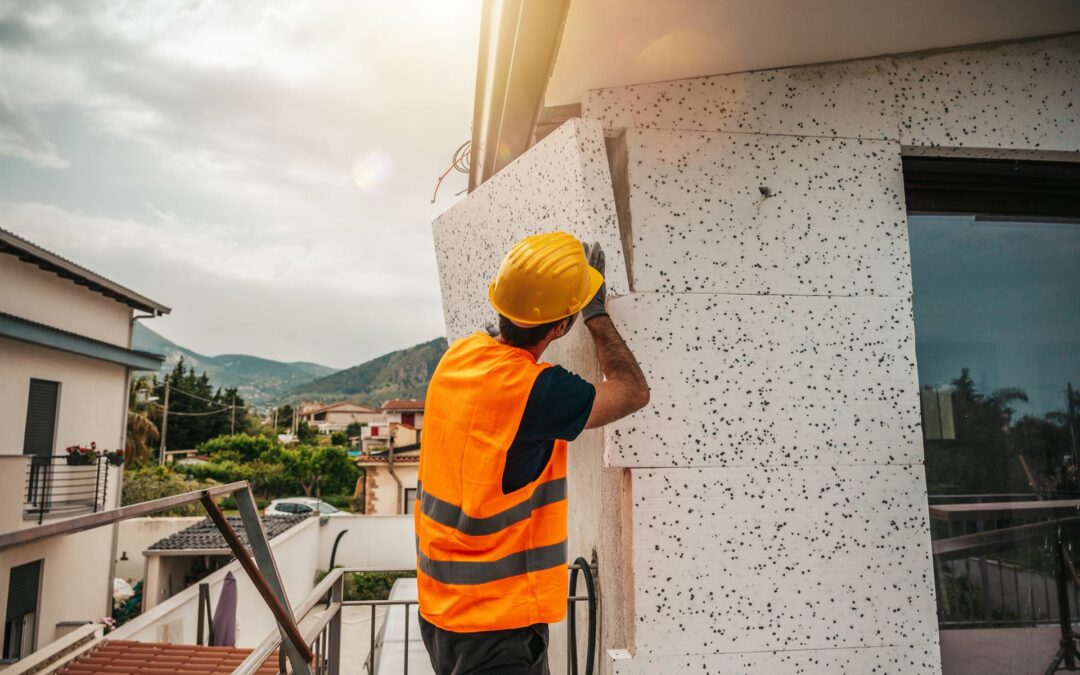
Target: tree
(354, 429)
(238, 447)
(305, 434)
(155, 482)
(141, 430)
(197, 411)
(283, 416)
(316, 467)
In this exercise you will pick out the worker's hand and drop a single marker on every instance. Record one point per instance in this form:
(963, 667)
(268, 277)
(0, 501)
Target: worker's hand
(598, 305)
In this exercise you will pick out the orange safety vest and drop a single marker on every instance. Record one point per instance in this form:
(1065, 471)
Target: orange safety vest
(486, 560)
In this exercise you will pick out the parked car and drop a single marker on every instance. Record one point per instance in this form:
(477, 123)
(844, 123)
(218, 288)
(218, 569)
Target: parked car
(292, 505)
(390, 648)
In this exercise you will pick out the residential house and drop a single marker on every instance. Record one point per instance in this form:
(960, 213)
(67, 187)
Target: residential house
(66, 362)
(331, 417)
(811, 212)
(389, 482)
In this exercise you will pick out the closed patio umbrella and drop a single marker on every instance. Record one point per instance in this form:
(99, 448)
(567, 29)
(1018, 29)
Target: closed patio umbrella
(225, 614)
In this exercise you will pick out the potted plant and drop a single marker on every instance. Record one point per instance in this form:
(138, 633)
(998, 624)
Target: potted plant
(114, 457)
(81, 455)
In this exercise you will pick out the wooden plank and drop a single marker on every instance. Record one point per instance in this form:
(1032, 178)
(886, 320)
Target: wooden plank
(1002, 538)
(1058, 508)
(92, 520)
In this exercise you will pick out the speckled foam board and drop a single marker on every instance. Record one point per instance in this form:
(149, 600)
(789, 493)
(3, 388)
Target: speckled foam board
(734, 560)
(853, 100)
(562, 183)
(1023, 95)
(915, 660)
(746, 380)
(834, 223)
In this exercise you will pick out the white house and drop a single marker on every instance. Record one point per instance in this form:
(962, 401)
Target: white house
(811, 211)
(66, 360)
(331, 417)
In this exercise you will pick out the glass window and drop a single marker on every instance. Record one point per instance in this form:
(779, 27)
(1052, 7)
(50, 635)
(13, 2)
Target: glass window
(410, 500)
(997, 337)
(997, 327)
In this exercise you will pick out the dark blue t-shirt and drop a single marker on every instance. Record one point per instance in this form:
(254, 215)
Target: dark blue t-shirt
(558, 407)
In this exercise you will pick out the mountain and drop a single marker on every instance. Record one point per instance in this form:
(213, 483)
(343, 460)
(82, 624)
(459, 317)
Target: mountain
(401, 374)
(259, 381)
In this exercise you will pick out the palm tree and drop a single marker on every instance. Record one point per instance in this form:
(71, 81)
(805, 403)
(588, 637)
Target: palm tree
(141, 430)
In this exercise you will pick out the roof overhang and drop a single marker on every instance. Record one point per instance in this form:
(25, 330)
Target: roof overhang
(593, 44)
(518, 43)
(29, 252)
(24, 330)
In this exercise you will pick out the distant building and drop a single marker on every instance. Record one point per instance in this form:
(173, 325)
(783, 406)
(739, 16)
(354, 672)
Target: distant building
(66, 360)
(331, 417)
(389, 483)
(399, 426)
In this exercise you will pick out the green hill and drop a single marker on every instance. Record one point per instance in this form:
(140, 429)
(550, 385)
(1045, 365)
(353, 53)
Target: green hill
(260, 381)
(401, 374)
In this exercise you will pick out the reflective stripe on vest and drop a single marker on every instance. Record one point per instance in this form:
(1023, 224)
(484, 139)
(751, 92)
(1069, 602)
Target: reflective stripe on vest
(469, 573)
(486, 560)
(450, 515)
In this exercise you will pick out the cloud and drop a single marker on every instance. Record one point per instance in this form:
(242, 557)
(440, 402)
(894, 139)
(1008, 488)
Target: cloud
(276, 155)
(20, 136)
(282, 300)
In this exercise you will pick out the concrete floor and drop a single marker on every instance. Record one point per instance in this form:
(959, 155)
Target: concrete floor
(998, 651)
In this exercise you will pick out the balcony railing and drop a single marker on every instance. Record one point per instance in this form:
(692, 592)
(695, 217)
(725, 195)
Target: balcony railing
(324, 635)
(56, 489)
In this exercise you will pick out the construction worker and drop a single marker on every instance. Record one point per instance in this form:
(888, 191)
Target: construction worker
(491, 502)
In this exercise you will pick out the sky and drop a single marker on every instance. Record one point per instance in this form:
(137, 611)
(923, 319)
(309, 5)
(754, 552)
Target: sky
(263, 168)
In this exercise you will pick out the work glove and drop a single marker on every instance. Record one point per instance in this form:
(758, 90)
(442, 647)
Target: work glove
(598, 305)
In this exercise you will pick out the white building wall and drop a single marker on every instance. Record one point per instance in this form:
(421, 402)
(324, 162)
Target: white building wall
(176, 619)
(370, 542)
(138, 534)
(767, 511)
(383, 491)
(46, 298)
(93, 397)
(75, 584)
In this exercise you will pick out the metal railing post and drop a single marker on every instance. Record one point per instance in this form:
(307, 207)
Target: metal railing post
(264, 557)
(337, 594)
(298, 651)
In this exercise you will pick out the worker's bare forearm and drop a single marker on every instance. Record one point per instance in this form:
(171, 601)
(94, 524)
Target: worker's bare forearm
(624, 390)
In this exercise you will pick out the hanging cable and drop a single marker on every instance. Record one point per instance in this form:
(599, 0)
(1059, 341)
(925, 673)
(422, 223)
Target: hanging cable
(191, 414)
(459, 163)
(173, 387)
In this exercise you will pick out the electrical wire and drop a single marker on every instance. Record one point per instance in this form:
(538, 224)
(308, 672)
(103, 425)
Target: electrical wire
(460, 162)
(191, 414)
(188, 393)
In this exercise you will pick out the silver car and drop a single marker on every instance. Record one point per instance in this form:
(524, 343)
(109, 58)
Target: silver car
(293, 505)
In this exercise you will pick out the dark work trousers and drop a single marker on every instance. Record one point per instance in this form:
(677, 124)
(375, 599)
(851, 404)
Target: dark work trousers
(520, 651)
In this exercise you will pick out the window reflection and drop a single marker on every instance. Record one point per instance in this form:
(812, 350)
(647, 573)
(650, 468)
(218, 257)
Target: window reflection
(997, 339)
(997, 323)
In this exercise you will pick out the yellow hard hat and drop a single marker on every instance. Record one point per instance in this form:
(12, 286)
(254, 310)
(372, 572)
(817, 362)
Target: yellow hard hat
(544, 278)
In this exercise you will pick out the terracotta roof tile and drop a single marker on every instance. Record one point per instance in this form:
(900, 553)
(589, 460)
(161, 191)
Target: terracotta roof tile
(404, 404)
(204, 535)
(124, 657)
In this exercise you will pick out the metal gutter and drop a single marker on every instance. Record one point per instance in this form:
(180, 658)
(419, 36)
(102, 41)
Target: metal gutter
(32, 332)
(519, 40)
(62, 267)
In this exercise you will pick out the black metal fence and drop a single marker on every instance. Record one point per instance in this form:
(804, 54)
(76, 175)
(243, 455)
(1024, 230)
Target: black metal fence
(394, 646)
(1015, 585)
(55, 488)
